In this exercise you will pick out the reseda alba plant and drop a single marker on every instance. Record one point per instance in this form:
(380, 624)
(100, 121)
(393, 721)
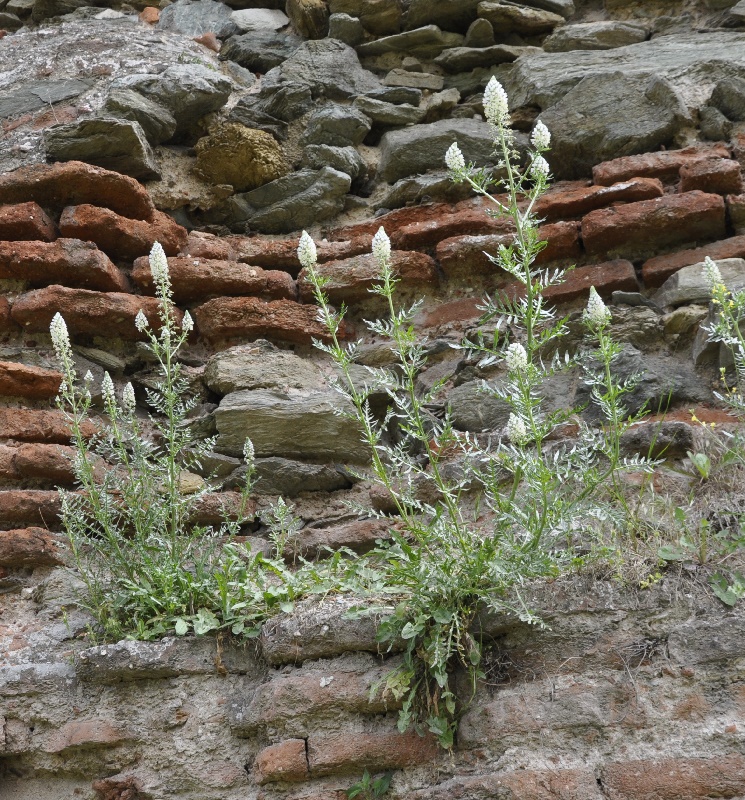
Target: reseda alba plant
(475, 527)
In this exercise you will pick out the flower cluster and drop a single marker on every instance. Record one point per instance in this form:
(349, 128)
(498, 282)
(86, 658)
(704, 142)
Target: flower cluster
(516, 358)
(381, 247)
(306, 251)
(596, 314)
(496, 105)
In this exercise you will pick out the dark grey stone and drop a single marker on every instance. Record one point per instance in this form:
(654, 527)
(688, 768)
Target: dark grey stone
(475, 410)
(346, 29)
(714, 125)
(594, 36)
(44, 9)
(480, 33)
(286, 102)
(425, 42)
(157, 122)
(196, 17)
(289, 478)
(688, 284)
(461, 59)
(260, 51)
(330, 69)
(9, 22)
(450, 14)
(344, 159)
(729, 98)
(424, 188)
(563, 7)
(382, 113)
(107, 142)
(607, 116)
(474, 81)
(397, 94)
(668, 439)
(339, 126)
(422, 147)
(38, 94)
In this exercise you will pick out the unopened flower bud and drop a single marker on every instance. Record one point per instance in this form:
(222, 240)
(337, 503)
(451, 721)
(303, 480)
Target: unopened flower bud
(381, 247)
(596, 313)
(88, 377)
(516, 357)
(541, 137)
(107, 388)
(517, 433)
(712, 275)
(306, 251)
(496, 104)
(454, 158)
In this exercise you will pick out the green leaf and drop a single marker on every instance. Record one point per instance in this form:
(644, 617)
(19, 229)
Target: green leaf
(728, 593)
(182, 627)
(670, 552)
(702, 462)
(205, 621)
(237, 628)
(287, 606)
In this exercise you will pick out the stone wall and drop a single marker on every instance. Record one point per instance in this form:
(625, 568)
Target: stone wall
(221, 131)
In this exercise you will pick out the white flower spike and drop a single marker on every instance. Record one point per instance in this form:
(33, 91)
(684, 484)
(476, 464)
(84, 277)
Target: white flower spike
(140, 321)
(541, 137)
(128, 398)
(597, 313)
(539, 168)
(454, 158)
(712, 275)
(517, 433)
(496, 104)
(248, 451)
(381, 247)
(187, 323)
(306, 251)
(516, 357)
(60, 336)
(107, 388)
(159, 266)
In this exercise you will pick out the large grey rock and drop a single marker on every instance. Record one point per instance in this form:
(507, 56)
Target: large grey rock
(426, 42)
(414, 80)
(330, 68)
(382, 113)
(39, 94)
(157, 122)
(339, 126)
(607, 116)
(344, 159)
(290, 203)
(346, 29)
(260, 365)
(421, 148)
(450, 14)
(480, 33)
(473, 409)
(714, 125)
(423, 189)
(188, 91)
(688, 285)
(686, 60)
(460, 59)
(729, 98)
(115, 144)
(249, 20)
(273, 107)
(603, 35)
(513, 18)
(292, 424)
(196, 17)
(260, 50)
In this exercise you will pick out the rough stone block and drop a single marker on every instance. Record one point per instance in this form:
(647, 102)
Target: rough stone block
(657, 270)
(29, 547)
(38, 425)
(29, 507)
(84, 733)
(36, 383)
(716, 175)
(26, 222)
(285, 761)
(612, 276)
(664, 164)
(575, 202)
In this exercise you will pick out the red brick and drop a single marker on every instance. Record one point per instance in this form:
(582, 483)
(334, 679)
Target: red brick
(580, 201)
(150, 14)
(607, 278)
(28, 507)
(51, 462)
(351, 279)
(69, 262)
(84, 733)
(676, 778)
(120, 237)
(715, 175)
(427, 233)
(359, 535)
(213, 509)
(394, 220)
(37, 425)
(199, 278)
(467, 254)
(24, 222)
(353, 752)
(207, 245)
(209, 40)
(29, 547)
(282, 254)
(247, 318)
(20, 380)
(663, 164)
(285, 761)
(72, 183)
(657, 270)
(95, 313)
(649, 226)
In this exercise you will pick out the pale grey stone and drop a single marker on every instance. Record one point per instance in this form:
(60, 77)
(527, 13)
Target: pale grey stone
(346, 29)
(422, 147)
(338, 126)
(291, 424)
(344, 159)
(414, 80)
(688, 284)
(107, 142)
(288, 478)
(729, 98)
(603, 35)
(714, 125)
(157, 122)
(249, 20)
(382, 113)
(475, 410)
(197, 17)
(461, 59)
(425, 42)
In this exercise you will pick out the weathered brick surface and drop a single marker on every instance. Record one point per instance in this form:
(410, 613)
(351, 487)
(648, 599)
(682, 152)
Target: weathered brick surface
(84, 733)
(37, 425)
(120, 237)
(715, 175)
(282, 254)
(245, 318)
(28, 507)
(359, 535)
(6, 323)
(612, 276)
(350, 280)
(649, 226)
(467, 254)
(576, 202)
(675, 778)
(736, 212)
(663, 164)
(69, 262)
(73, 183)
(29, 547)
(329, 755)
(24, 222)
(655, 271)
(36, 383)
(51, 462)
(428, 232)
(96, 313)
(195, 278)
(285, 761)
